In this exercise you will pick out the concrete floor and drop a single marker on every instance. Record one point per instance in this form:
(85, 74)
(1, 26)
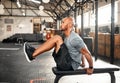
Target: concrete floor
(14, 68)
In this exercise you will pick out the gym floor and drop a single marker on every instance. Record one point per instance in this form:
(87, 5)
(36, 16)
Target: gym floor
(14, 68)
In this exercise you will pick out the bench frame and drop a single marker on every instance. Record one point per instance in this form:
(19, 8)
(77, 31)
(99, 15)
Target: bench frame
(60, 74)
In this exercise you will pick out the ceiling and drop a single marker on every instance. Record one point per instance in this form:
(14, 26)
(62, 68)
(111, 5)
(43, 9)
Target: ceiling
(55, 8)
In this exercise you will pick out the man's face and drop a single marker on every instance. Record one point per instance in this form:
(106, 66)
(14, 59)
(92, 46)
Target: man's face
(64, 24)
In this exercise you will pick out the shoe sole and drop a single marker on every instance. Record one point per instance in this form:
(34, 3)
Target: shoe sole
(26, 53)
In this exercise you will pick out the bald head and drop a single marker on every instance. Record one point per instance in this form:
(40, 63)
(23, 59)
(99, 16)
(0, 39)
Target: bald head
(68, 20)
(67, 23)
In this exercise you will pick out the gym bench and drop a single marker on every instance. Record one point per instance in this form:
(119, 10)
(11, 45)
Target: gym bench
(60, 74)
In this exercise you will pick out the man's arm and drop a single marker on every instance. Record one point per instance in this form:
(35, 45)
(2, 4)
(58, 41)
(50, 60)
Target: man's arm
(87, 55)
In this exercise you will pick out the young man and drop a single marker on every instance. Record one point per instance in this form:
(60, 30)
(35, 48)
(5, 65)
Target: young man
(75, 46)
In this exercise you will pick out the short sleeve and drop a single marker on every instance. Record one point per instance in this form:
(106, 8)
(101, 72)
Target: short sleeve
(77, 43)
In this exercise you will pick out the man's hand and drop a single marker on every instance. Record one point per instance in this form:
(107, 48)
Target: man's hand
(89, 71)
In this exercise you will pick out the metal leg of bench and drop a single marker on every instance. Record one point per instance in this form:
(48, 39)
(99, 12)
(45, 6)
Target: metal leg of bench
(57, 78)
(112, 77)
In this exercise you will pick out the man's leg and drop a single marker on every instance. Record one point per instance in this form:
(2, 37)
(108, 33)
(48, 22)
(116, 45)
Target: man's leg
(55, 41)
(31, 52)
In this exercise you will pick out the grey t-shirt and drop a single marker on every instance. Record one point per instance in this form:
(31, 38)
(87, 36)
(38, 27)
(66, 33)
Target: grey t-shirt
(74, 43)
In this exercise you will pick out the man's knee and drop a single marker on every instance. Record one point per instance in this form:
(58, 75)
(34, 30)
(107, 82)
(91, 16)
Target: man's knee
(59, 42)
(58, 37)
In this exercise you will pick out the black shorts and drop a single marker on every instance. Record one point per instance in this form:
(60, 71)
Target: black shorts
(62, 58)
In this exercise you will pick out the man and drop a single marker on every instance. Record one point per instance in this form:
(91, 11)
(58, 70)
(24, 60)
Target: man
(74, 43)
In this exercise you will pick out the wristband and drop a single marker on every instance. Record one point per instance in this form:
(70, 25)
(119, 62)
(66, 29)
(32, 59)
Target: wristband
(91, 67)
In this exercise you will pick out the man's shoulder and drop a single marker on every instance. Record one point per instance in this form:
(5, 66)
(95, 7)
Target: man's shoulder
(75, 36)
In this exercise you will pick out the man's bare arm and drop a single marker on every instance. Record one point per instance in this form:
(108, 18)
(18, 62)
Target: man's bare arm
(87, 55)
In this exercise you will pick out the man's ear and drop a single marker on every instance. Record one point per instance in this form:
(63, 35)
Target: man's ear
(68, 25)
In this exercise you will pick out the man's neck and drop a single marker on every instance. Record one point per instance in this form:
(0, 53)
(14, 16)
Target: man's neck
(67, 32)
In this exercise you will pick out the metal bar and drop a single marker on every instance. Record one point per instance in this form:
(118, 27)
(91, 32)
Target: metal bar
(57, 78)
(22, 8)
(31, 5)
(58, 3)
(113, 80)
(34, 12)
(62, 8)
(50, 15)
(11, 8)
(25, 7)
(82, 19)
(36, 8)
(57, 8)
(96, 30)
(67, 12)
(59, 74)
(66, 2)
(53, 11)
(112, 31)
(58, 17)
(75, 15)
(35, 5)
(6, 9)
(24, 16)
(17, 8)
(79, 8)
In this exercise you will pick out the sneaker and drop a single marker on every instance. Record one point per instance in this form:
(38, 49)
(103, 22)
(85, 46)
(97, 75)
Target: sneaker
(28, 50)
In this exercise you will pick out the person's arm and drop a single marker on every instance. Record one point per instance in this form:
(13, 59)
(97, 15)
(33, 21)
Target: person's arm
(80, 46)
(87, 55)
(83, 61)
